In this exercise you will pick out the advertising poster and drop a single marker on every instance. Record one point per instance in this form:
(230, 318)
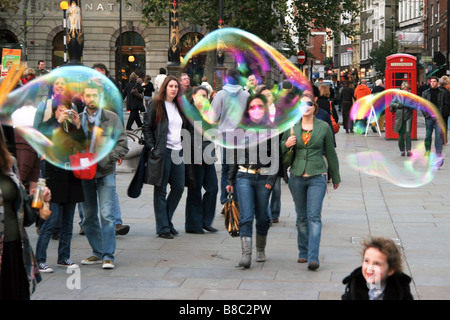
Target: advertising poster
(10, 57)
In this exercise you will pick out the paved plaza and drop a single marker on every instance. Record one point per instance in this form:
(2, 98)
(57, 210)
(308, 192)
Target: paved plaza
(204, 267)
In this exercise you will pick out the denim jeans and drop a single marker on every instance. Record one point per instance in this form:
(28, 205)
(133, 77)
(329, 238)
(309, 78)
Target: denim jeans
(66, 212)
(274, 207)
(404, 136)
(431, 124)
(101, 237)
(200, 210)
(164, 208)
(255, 199)
(308, 194)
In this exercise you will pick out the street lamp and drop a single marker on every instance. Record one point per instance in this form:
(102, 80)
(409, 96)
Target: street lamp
(392, 31)
(64, 5)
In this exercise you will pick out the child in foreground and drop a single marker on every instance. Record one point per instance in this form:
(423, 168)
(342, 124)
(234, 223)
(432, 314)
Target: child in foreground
(380, 277)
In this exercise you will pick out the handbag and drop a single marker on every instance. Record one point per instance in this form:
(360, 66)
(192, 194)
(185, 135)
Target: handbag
(136, 184)
(336, 126)
(137, 94)
(84, 161)
(289, 156)
(232, 214)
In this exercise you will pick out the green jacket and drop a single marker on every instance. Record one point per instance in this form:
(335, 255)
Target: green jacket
(309, 159)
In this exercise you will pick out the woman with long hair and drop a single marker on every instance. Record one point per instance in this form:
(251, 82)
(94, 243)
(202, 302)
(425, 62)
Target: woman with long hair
(162, 134)
(308, 176)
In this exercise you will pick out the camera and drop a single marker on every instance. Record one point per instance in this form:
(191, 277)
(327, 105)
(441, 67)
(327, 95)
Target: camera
(70, 113)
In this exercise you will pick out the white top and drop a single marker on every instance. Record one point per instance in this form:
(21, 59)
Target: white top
(175, 124)
(23, 117)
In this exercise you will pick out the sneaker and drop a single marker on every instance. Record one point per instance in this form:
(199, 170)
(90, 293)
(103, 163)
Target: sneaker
(68, 264)
(108, 264)
(92, 260)
(44, 268)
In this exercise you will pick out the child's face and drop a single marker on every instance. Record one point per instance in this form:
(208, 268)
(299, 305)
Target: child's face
(375, 267)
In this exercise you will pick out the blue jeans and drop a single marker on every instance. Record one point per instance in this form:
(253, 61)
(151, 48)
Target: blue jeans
(308, 194)
(66, 212)
(200, 210)
(431, 124)
(102, 238)
(275, 200)
(251, 187)
(164, 208)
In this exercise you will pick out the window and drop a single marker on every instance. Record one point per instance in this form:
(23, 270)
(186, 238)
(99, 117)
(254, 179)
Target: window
(130, 57)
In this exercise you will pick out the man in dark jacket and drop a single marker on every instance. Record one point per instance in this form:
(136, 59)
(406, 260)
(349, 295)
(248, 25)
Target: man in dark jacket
(437, 96)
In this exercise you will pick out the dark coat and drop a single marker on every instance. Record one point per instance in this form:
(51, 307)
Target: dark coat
(64, 186)
(442, 103)
(134, 103)
(397, 287)
(155, 137)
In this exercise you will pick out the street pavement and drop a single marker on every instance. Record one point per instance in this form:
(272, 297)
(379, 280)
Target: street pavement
(204, 267)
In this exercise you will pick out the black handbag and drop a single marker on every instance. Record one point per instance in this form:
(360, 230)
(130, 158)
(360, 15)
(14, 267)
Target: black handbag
(232, 215)
(135, 187)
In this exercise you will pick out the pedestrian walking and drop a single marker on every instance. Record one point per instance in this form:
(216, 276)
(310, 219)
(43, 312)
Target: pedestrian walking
(381, 275)
(308, 176)
(19, 274)
(159, 79)
(437, 96)
(347, 96)
(66, 189)
(162, 135)
(403, 121)
(135, 101)
(361, 91)
(254, 182)
(101, 237)
(228, 106)
(200, 208)
(148, 90)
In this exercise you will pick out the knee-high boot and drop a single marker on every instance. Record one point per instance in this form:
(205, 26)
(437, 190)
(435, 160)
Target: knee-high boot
(246, 246)
(260, 247)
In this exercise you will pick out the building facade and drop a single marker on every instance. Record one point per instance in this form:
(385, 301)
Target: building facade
(38, 28)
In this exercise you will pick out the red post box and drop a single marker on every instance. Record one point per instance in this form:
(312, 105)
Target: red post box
(399, 68)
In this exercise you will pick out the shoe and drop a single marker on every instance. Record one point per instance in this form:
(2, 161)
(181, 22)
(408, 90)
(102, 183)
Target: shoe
(195, 231)
(302, 260)
(173, 231)
(81, 232)
(108, 264)
(122, 229)
(409, 153)
(276, 220)
(68, 264)
(210, 229)
(374, 129)
(165, 235)
(402, 153)
(246, 247)
(260, 248)
(427, 153)
(44, 268)
(313, 266)
(92, 260)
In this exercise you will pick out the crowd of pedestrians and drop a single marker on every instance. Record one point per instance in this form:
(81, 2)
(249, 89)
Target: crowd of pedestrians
(307, 151)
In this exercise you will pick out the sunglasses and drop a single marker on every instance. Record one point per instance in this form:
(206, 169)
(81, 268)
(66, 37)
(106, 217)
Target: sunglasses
(306, 103)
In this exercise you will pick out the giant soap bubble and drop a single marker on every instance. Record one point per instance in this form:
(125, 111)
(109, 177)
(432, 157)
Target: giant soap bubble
(383, 159)
(250, 56)
(50, 113)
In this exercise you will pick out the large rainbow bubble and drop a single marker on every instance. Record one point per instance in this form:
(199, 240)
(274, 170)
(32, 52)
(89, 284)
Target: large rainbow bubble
(49, 112)
(383, 158)
(250, 56)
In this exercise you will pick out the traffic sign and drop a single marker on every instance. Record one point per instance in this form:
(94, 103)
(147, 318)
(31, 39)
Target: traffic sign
(301, 57)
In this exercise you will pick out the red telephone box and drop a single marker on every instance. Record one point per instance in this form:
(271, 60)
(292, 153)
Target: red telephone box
(399, 68)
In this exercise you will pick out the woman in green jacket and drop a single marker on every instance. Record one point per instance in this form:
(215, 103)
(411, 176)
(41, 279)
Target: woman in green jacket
(308, 176)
